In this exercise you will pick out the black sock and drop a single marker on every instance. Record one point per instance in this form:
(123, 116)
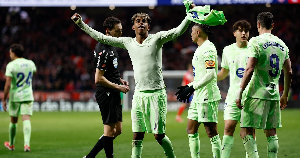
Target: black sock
(98, 147)
(108, 146)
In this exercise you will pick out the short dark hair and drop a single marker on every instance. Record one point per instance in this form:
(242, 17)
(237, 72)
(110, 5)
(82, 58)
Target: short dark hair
(265, 19)
(17, 49)
(143, 15)
(243, 24)
(205, 28)
(110, 22)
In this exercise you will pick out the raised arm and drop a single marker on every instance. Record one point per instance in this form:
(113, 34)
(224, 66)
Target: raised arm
(169, 35)
(98, 36)
(166, 36)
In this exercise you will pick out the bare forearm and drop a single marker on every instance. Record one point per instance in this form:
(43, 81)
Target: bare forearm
(222, 74)
(106, 83)
(287, 82)
(6, 91)
(247, 77)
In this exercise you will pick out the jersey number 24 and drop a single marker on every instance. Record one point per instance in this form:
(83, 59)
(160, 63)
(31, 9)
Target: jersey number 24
(21, 77)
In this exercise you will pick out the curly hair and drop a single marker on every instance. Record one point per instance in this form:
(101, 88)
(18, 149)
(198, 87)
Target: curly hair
(110, 22)
(243, 24)
(143, 15)
(265, 19)
(17, 49)
(205, 28)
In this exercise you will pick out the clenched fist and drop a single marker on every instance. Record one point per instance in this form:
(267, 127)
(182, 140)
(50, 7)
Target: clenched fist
(75, 17)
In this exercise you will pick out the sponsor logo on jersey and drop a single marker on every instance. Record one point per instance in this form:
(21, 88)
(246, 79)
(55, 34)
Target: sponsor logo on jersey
(240, 72)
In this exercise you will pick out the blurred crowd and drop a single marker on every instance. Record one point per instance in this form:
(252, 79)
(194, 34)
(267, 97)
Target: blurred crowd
(63, 53)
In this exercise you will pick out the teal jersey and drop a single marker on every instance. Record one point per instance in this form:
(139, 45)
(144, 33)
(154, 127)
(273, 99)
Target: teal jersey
(21, 71)
(210, 92)
(271, 52)
(234, 59)
(146, 57)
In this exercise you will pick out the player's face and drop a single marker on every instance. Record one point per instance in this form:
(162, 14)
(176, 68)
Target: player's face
(195, 33)
(241, 35)
(141, 25)
(116, 31)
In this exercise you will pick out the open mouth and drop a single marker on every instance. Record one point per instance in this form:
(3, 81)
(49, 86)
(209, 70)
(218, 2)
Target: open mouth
(141, 27)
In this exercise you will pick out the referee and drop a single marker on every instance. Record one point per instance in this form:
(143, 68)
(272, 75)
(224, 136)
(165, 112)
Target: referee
(109, 86)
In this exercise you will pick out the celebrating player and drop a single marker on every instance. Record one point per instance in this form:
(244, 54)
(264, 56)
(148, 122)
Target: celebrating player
(234, 59)
(149, 104)
(205, 102)
(109, 86)
(262, 103)
(18, 85)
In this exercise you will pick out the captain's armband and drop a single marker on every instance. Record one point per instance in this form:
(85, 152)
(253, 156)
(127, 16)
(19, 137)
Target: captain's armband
(210, 64)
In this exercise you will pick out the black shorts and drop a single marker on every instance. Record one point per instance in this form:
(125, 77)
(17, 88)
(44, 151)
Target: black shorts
(109, 102)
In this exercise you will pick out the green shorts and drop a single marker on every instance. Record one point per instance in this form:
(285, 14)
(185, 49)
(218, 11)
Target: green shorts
(261, 114)
(232, 112)
(149, 111)
(20, 108)
(204, 112)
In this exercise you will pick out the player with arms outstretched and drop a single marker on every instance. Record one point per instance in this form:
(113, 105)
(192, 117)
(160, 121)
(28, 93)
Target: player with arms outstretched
(234, 60)
(149, 104)
(205, 102)
(18, 85)
(268, 55)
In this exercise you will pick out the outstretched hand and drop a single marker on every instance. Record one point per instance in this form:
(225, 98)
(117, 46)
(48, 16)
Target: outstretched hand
(75, 17)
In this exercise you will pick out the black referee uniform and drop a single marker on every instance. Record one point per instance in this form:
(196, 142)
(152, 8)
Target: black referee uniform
(109, 100)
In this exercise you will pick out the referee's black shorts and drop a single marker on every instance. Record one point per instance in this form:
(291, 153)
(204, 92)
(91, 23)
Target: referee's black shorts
(109, 102)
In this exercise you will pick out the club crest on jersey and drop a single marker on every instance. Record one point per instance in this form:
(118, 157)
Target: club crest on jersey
(103, 65)
(100, 53)
(115, 62)
(210, 64)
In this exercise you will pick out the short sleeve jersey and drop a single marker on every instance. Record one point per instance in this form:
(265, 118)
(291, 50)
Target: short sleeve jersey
(106, 59)
(206, 52)
(271, 52)
(146, 57)
(234, 59)
(21, 71)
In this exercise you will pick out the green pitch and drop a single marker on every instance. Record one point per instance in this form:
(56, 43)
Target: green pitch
(73, 134)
